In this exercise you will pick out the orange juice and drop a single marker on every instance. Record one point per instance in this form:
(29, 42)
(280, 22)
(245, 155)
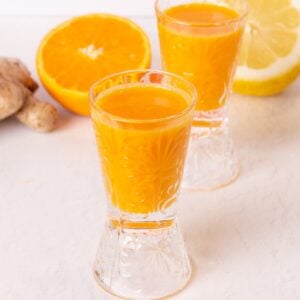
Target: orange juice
(142, 144)
(200, 42)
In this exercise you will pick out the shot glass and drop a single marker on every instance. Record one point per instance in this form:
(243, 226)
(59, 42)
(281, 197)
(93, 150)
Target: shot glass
(142, 153)
(199, 41)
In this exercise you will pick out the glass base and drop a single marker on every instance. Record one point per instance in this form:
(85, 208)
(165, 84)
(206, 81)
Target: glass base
(142, 263)
(211, 161)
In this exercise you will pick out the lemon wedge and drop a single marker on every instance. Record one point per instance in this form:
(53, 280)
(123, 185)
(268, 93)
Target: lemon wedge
(270, 54)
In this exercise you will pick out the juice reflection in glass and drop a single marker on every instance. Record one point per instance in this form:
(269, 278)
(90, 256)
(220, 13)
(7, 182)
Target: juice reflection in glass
(200, 41)
(142, 121)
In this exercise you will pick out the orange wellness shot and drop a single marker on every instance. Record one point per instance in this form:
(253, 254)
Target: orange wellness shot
(194, 47)
(143, 149)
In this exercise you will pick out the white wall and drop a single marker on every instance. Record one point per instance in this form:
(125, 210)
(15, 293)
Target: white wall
(75, 7)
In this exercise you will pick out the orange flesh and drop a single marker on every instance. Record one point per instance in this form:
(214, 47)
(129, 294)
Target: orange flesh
(90, 48)
(203, 54)
(142, 164)
(80, 51)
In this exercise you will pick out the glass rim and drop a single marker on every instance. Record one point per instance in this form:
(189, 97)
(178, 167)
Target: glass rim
(143, 121)
(240, 18)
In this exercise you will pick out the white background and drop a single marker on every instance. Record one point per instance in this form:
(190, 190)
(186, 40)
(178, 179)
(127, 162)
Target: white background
(243, 240)
(67, 7)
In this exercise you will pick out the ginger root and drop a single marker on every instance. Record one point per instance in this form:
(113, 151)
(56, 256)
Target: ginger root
(11, 98)
(16, 97)
(38, 115)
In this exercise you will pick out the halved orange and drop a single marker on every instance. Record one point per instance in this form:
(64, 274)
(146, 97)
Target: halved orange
(72, 56)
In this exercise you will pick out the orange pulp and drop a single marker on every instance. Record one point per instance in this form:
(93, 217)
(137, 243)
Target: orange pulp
(142, 158)
(76, 53)
(194, 47)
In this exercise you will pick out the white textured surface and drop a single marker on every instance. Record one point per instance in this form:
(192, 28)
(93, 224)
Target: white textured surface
(244, 240)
